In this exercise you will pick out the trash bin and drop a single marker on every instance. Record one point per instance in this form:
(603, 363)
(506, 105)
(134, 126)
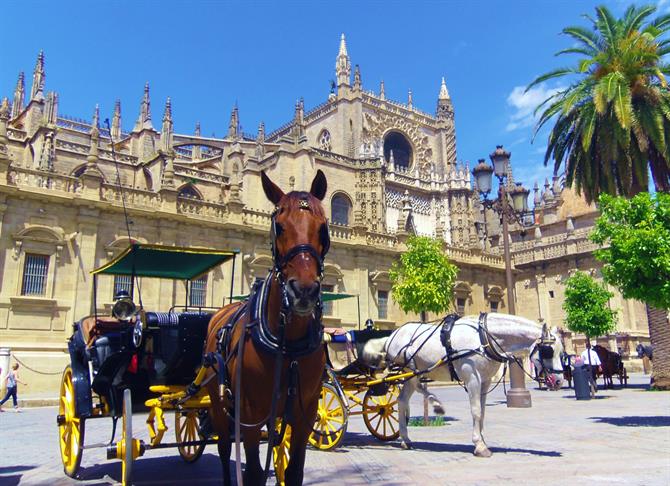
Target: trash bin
(581, 382)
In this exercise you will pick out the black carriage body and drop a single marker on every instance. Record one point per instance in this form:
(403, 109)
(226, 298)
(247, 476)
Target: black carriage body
(178, 341)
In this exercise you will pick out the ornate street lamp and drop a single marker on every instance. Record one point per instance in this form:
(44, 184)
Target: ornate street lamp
(518, 396)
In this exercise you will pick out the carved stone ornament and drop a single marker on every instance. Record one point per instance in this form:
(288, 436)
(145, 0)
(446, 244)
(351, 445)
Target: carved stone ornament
(376, 125)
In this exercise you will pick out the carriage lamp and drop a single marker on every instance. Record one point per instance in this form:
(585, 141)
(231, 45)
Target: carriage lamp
(124, 308)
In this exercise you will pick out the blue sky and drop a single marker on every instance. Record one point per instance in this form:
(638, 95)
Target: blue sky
(264, 55)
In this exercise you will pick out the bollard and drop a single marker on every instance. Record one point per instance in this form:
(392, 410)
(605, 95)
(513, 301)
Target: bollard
(5, 353)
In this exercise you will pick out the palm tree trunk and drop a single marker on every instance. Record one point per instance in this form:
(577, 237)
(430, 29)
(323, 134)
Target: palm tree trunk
(659, 334)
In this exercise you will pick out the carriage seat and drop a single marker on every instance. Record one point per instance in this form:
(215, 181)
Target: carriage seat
(91, 328)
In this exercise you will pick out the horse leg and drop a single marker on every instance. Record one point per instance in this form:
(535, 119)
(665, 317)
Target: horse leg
(224, 446)
(253, 472)
(475, 389)
(482, 400)
(437, 405)
(407, 391)
(296, 464)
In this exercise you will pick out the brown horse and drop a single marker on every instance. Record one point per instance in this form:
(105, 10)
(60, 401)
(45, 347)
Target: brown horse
(287, 304)
(611, 364)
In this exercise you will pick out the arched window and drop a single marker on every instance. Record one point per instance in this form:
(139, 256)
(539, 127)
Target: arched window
(324, 141)
(190, 192)
(340, 209)
(397, 143)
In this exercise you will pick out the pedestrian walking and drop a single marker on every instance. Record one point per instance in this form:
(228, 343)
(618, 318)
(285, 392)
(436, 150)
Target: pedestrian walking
(591, 359)
(12, 386)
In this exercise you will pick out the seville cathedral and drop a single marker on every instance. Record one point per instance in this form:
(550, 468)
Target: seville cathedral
(392, 171)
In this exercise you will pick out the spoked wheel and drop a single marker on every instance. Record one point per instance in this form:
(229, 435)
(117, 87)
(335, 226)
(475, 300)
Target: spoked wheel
(187, 430)
(281, 454)
(380, 414)
(127, 440)
(70, 427)
(331, 420)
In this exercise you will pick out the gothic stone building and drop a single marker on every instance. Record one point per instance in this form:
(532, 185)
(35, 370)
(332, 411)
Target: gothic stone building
(391, 168)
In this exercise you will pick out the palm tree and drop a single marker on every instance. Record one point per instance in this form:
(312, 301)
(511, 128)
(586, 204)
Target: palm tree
(612, 124)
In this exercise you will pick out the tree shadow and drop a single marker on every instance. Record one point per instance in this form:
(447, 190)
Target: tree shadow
(635, 421)
(442, 447)
(597, 397)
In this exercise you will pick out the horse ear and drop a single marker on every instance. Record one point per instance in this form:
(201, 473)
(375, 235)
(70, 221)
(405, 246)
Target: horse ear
(544, 330)
(319, 185)
(272, 192)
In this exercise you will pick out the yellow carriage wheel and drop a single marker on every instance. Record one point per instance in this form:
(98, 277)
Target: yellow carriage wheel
(380, 414)
(187, 430)
(70, 427)
(281, 454)
(331, 420)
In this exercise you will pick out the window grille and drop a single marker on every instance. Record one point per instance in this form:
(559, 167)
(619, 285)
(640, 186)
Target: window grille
(123, 282)
(324, 141)
(460, 306)
(35, 270)
(328, 306)
(383, 302)
(198, 293)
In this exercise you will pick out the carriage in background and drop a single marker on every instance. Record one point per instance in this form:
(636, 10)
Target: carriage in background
(138, 357)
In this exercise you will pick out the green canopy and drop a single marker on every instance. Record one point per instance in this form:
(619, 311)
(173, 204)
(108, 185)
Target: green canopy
(171, 262)
(325, 296)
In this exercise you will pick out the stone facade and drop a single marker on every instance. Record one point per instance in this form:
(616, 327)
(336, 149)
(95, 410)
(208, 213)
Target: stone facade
(391, 171)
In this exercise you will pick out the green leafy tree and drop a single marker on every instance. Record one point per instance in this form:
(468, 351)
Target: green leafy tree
(612, 123)
(635, 235)
(423, 278)
(586, 307)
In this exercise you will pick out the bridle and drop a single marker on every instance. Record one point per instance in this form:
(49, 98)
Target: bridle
(281, 261)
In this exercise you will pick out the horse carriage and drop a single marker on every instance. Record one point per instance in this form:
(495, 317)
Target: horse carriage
(611, 366)
(351, 388)
(139, 358)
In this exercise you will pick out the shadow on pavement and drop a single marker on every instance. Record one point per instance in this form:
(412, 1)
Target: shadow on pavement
(635, 421)
(14, 478)
(441, 447)
(162, 470)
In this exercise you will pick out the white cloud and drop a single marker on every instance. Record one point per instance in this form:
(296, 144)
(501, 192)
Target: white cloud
(524, 103)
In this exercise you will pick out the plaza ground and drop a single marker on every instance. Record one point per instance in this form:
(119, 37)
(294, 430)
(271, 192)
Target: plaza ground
(619, 438)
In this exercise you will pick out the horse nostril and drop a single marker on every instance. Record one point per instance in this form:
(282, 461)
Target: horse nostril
(313, 290)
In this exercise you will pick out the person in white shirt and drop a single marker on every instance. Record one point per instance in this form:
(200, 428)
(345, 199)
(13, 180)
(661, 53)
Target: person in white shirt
(590, 358)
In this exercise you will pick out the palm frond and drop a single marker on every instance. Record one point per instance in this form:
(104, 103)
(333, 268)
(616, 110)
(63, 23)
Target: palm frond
(606, 24)
(635, 16)
(556, 73)
(585, 36)
(587, 51)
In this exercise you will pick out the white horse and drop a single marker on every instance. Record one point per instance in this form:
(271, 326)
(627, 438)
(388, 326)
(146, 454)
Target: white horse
(417, 346)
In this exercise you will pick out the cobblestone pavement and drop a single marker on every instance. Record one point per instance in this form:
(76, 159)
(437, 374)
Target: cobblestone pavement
(619, 438)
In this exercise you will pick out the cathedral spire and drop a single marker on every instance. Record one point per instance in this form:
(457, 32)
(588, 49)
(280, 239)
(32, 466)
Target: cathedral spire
(234, 125)
(197, 129)
(116, 121)
(92, 158)
(19, 95)
(382, 91)
(444, 93)
(95, 124)
(260, 138)
(37, 91)
(342, 64)
(409, 99)
(357, 78)
(4, 118)
(445, 109)
(144, 118)
(167, 128)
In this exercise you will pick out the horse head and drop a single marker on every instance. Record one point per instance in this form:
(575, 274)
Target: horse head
(300, 241)
(550, 348)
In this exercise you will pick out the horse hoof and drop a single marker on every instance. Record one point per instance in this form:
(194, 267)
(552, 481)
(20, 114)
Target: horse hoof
(482, 452)
(406, 445)
(438, 409)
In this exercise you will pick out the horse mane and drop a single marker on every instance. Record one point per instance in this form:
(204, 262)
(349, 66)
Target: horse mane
(293, 198)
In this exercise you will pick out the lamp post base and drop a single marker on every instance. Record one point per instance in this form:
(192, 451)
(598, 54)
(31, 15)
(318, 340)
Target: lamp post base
(518, 398)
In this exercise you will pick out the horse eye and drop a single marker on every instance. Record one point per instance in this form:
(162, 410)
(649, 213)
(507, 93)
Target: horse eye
(279, 229)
